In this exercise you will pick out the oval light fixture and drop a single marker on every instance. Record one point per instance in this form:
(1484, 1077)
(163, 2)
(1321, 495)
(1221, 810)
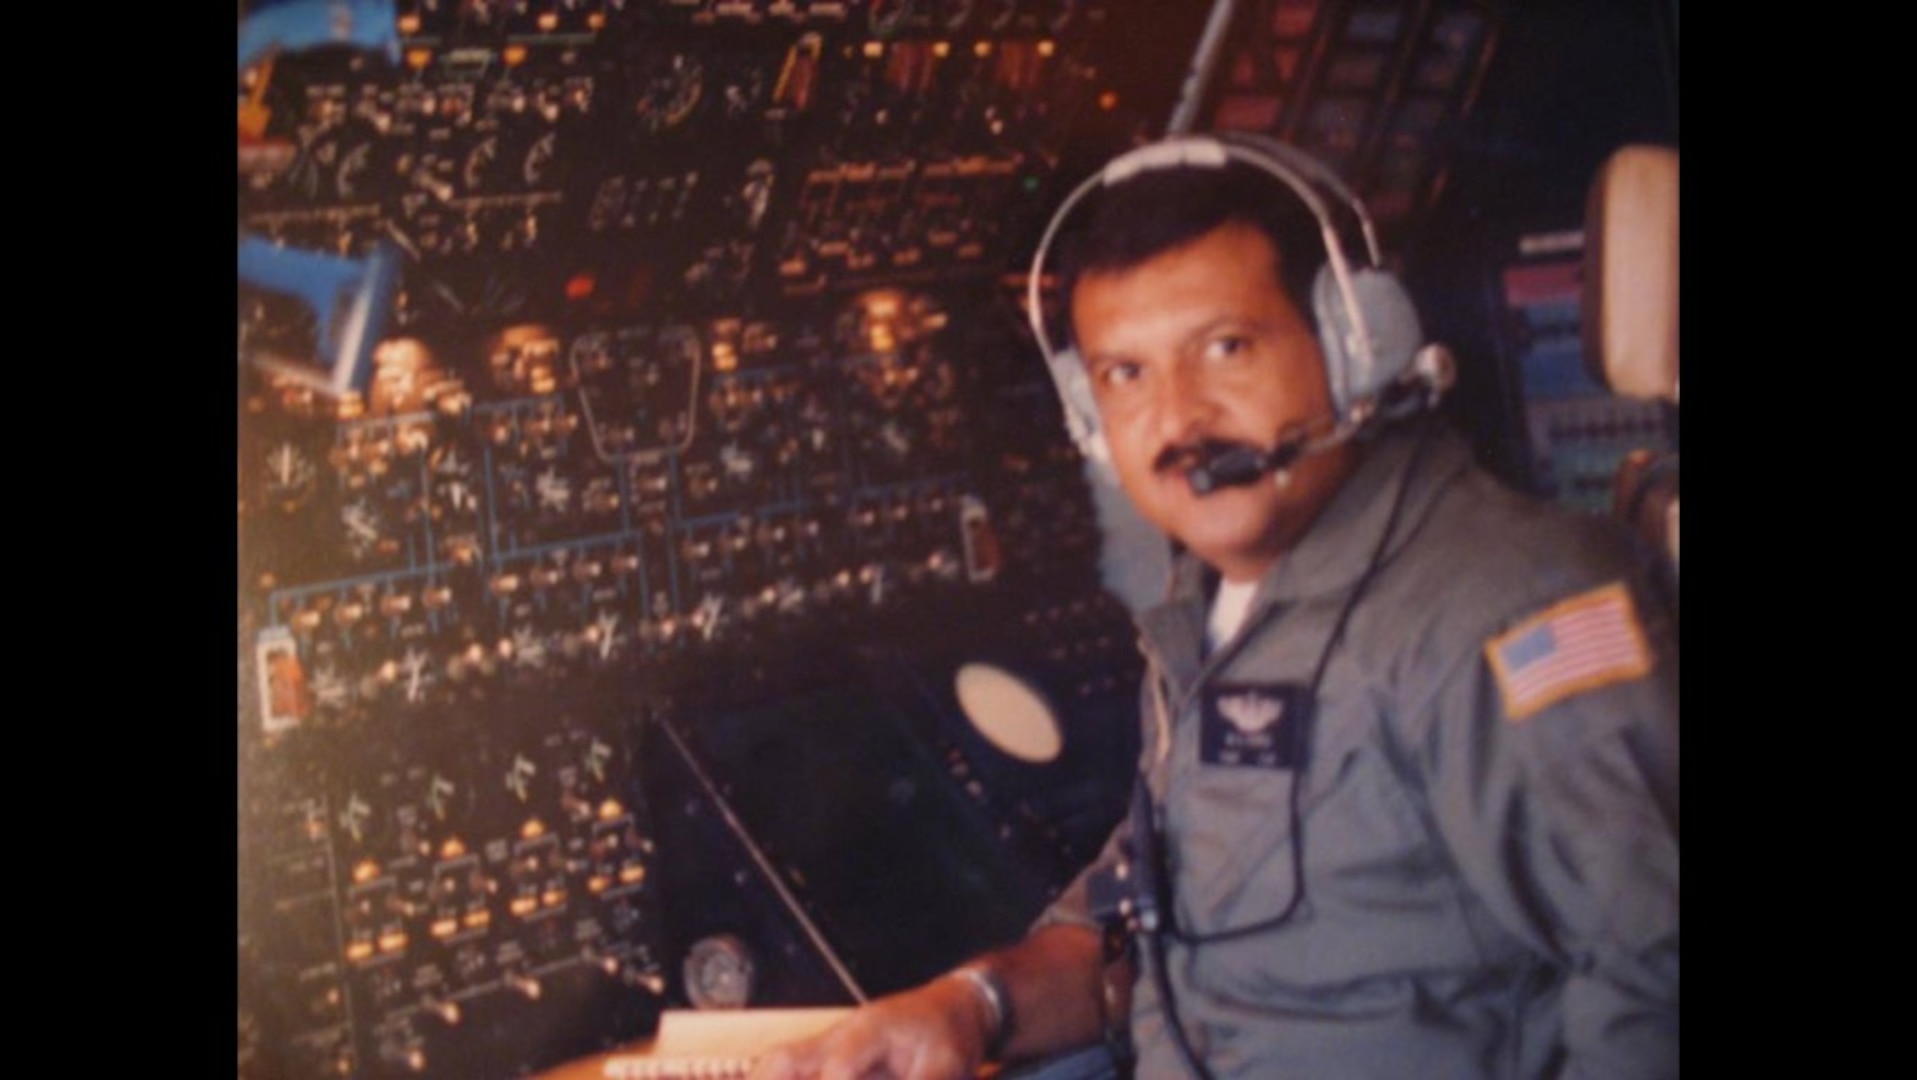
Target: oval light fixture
(1012, 714)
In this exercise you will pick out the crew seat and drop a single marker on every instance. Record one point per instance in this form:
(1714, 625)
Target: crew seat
(1630, 324)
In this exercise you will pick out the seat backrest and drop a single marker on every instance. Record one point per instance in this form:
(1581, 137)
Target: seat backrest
(1630, 320)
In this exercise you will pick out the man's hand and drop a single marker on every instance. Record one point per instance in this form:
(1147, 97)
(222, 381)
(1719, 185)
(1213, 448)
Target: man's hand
(938, 1031)
(932, 1032)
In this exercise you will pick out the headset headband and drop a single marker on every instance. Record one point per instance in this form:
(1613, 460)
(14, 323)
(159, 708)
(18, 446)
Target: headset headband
(1286, 164)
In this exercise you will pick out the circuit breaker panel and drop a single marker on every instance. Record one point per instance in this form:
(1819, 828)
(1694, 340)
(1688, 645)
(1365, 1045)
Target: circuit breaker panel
(636, 353)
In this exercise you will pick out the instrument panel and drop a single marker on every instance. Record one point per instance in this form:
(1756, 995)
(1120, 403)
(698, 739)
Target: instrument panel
(701, 371)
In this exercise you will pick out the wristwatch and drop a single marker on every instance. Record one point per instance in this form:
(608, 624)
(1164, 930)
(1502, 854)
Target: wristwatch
(998, 1004)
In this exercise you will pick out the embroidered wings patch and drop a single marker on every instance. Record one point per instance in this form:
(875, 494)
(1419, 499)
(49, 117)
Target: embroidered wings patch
(1591, 640)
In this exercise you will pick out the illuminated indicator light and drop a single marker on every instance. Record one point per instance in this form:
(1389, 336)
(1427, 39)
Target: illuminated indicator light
(1108, 101)
(549, 21)
(597, 884)
(524, 905)
(983, 48)
(941, 48)
(444, 927)
(553, 897)
(392, 941)
(476, 919)
(365, 872)
(596, 20)
(452, 849)
(874, 50)
(417, 59)
(359, 950)
(408, 24)
(1047, 48)
(533, 829)
(725, 357)
(632, 874)
(610, 809)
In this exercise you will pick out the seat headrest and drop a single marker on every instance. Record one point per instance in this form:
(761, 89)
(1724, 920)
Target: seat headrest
(1630, 273)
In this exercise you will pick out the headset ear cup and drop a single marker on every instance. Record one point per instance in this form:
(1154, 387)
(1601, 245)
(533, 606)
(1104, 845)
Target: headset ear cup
(1081, 411)
(1353, 372)
(1327, 309)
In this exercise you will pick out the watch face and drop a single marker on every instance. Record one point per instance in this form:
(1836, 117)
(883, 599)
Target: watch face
(719, 973)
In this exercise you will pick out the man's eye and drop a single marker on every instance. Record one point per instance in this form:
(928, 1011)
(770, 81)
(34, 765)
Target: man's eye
(1231, 345)
(1118, 374)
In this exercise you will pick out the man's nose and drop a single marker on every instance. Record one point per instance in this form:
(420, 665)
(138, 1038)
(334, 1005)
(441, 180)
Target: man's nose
(1187, 405)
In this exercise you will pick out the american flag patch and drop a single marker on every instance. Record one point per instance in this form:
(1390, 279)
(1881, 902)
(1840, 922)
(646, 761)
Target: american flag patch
(1588, 641)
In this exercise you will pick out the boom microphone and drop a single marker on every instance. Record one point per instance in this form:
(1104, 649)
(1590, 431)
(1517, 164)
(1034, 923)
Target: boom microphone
(1224, 465)
(1221, 465)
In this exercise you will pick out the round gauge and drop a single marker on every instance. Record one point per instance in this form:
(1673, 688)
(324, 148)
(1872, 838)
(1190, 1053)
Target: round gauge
(291, 477)
(885, 16)
(479, 164)
(365, 529)
(538, 166)
(756, 193)
(351, 173)
(671, 93)
(719, 973)
(455, 488)
(316, 160)
(1011, 713)
(953, 14)
(607, 204)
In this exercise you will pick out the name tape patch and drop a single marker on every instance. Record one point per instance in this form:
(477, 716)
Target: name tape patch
(1253, 725)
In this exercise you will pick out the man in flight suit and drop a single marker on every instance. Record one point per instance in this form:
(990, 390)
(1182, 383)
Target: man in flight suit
(1409, 781)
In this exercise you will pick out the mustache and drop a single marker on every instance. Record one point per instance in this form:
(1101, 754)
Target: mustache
(1180, 457)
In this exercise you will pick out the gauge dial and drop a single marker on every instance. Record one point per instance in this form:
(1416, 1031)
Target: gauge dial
(671, 93)
(290, 477)
(719, 973)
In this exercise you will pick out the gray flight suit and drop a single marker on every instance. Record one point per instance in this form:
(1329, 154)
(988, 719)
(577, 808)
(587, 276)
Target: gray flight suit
(1484, 895)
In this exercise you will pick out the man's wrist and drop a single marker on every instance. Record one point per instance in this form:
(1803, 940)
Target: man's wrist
(995, 999)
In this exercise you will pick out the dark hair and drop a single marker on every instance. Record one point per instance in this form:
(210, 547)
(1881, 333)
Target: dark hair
(1144, 216)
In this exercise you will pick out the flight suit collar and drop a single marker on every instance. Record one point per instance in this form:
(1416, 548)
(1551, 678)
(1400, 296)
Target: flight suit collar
(1333, 554)
(1338, 547)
